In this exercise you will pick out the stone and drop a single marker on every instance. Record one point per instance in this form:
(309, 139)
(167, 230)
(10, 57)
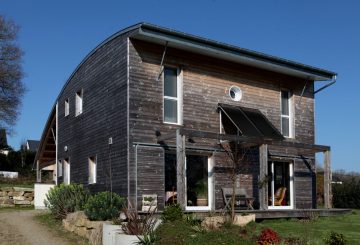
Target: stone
(77, 218)
(29, 194)
(93, 224)
(213, 223)
(32, 202)
(4, 198)
(243, 220)
(7, 189)
(2, 193)
(28, 198)
(7, 205)
(19, 198)
(82, 231)
(19, 202)
(7, 201)
(18, 193)
(68, 226)
(23, 189)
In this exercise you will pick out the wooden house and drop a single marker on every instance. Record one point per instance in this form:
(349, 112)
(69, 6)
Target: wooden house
(148, 111)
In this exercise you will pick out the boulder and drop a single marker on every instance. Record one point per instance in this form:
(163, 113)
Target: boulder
(29, 194)
(23, 189)
(213, 223)
(19, 202)
(68, 225)
(243, 220)
(77, 218)
(19, 198)
(18, 193)
(82, 231)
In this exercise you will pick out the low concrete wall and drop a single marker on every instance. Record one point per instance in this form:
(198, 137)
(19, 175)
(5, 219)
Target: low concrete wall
(11, 196)
(40, 194)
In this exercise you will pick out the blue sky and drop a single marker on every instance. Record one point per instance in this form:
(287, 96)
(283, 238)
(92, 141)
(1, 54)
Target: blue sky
(57, 35)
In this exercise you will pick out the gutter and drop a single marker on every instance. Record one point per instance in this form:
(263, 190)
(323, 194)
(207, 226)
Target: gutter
(333, 81)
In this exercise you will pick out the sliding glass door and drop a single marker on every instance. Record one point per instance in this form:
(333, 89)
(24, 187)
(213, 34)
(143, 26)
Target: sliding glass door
(280, 189)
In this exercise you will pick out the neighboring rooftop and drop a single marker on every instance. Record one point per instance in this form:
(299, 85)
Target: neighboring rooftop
(32, 145)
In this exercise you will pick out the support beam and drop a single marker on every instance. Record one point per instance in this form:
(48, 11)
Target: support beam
(38, 172)
(180, 169)
(263, 159)
(327, 180)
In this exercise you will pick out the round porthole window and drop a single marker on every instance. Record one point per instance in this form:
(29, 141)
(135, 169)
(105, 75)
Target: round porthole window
(235, 93)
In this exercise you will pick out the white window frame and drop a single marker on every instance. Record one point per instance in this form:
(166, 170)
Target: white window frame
(79, 100)
(60, 169)
(211, 203)
(92, 164)
(178, 99)
(291, 191)
(67, 107)
(290, 117)
(66, 172)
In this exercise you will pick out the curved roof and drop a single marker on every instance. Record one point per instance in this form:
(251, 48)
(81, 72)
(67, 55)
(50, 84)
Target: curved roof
(180, 40)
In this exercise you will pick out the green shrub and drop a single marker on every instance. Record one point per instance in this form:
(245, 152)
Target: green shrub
(335, 238)
(104, 206)
(64, 199)
(346, 195)
(172, 212)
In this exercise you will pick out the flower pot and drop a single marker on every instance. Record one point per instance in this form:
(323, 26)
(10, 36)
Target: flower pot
(202, 202)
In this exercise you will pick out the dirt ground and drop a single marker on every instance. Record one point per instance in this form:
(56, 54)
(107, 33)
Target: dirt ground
(20, 227)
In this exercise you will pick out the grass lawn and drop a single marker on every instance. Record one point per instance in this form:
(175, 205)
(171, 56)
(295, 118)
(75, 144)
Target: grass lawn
(307, 231)
(55, 226)
(315, 231)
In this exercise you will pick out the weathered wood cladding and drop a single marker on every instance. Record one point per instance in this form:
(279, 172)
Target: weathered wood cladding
(206, 82)
(103, 79)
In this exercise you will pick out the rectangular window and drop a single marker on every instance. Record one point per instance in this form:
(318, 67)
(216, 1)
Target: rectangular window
(172, 96)
(286, 114)
(92, 170)
(67, 108)
(60, 168)
(66, 165)
(79, 102)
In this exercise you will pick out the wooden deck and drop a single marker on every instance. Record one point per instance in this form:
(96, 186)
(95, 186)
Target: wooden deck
(290, 213)
(295, 213)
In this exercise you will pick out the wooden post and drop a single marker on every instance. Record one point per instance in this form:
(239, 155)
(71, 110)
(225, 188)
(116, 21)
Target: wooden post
(327, 180)
(38, 172)
(180, 169)
(263, 161)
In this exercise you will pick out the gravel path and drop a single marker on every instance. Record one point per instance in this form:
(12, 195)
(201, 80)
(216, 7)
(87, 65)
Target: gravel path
(19, 227)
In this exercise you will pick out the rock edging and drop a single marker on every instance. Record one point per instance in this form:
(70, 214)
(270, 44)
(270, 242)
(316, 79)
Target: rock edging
(13, 196)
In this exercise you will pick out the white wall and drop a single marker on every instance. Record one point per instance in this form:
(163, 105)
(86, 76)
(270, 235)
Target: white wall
(10, 175)
(40, 194)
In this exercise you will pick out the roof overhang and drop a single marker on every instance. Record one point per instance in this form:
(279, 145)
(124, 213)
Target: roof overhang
(46, 153)
(179, 40)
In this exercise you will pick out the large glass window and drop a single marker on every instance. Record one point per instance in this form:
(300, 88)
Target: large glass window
(171, 96)
(286, 117)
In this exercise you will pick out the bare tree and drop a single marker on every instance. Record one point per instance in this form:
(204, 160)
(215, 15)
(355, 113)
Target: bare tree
(12, 88)
(235, 157)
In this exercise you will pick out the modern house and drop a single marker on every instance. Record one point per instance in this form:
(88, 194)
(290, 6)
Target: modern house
(149, 110)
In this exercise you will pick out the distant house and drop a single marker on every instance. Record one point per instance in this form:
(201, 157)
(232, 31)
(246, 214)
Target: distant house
(4, 148)
(145, 111)
(31, 145)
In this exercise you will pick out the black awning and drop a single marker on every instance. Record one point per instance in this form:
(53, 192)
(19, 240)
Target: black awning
(250, 122)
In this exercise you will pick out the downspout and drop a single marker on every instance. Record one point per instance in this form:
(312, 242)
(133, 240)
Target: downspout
(333, 81)
(136, 176)
(56, 142)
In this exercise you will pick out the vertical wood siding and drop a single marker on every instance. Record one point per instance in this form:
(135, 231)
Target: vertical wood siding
(103, 78)
(206, 82)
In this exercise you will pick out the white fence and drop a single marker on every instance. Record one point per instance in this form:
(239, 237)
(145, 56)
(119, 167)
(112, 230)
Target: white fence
(40, 194)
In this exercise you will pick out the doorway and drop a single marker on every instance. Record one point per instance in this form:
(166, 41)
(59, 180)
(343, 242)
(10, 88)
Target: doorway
(281, 186)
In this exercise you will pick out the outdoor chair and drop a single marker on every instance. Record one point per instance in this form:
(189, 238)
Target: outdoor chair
(241, 198)
(279, 196)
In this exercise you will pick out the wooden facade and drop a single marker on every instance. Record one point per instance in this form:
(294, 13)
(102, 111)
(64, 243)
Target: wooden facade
(122, 122)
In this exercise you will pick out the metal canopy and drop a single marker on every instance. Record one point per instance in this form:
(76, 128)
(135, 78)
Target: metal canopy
(249, 122)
